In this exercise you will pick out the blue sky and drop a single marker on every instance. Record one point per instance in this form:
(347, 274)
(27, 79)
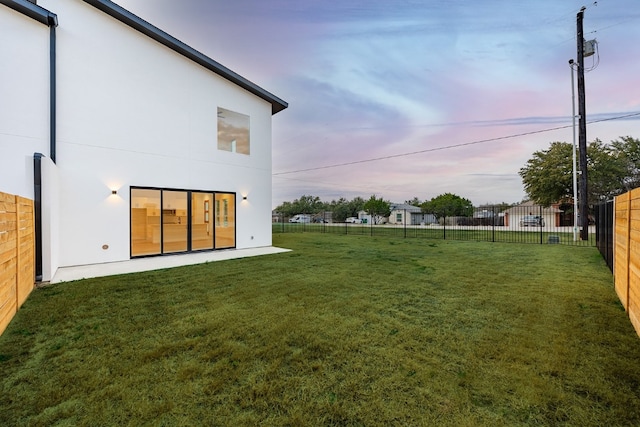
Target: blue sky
(416, 97)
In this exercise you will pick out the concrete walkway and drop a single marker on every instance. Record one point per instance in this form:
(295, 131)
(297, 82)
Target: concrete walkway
(66, 274)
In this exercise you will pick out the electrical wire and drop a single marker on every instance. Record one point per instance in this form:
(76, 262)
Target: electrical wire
(448, 147)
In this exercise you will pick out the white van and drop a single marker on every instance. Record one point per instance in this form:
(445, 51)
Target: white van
(300, 218)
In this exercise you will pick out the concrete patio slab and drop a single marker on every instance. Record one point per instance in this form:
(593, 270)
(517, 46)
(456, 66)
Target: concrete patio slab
(66, 274)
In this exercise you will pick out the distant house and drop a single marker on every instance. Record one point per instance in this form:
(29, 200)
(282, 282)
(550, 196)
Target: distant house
(515, 216)
(410, 215)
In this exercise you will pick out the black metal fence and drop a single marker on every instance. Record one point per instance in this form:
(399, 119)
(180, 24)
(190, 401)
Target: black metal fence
(604, 216)
(520, 224)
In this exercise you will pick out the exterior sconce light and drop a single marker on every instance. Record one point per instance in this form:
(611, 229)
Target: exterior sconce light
(114, 192)
(244, 197)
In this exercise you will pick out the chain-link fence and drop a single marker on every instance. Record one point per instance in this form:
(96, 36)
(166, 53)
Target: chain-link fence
(519, 224)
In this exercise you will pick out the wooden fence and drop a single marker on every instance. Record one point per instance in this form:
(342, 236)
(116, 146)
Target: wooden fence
(626, 271)
(17, 267)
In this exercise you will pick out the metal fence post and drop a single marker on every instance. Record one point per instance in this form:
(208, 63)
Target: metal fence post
(404, 222)
(444, 227)
(493, 224)
(371, 226)
(541, 219)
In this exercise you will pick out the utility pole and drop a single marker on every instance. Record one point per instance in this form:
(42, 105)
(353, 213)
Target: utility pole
(574, 167)
(582, 132)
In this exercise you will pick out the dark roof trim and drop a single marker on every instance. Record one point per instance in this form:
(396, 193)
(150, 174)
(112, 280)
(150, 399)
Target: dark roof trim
(33, 11)
(139, 24)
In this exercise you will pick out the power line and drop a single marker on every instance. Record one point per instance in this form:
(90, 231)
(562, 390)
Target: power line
(447, 147)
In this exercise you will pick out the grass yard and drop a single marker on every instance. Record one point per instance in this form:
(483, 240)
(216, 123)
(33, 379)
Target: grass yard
(344, 330)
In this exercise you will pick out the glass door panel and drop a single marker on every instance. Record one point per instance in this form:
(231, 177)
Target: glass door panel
(174, 221)
(225, 220)
(201, 221)
(145, 222)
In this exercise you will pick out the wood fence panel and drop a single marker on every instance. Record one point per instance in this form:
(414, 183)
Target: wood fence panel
(17, 255)
(627, 254)
(634, 259)
(25, 250)
(621, 246)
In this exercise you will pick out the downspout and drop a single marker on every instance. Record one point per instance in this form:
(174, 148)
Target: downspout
(53, 23)
(37, 209)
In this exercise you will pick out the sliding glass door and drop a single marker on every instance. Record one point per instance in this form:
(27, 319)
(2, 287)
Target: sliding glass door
(225, 215)
(174, 221)
(165, 221)
(145, 222)
(201, 221)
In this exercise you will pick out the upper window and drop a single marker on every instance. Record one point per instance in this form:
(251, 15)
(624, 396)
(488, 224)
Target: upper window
(233, 131)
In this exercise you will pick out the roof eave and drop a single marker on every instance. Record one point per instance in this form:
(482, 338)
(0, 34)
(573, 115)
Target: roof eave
(33, 11)
(139, 24)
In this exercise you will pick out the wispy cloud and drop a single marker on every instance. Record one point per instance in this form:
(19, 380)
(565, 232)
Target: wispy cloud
(370, 81)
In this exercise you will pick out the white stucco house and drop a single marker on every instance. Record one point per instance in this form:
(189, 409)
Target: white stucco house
(405, 214)
(130, 142)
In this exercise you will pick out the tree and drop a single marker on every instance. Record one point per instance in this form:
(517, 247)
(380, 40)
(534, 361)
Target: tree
(448, 204)
(343, 208)
(378, 208)
(548, 175)
(628, 149)
(303, 205)
(607, 171)
(413, 202)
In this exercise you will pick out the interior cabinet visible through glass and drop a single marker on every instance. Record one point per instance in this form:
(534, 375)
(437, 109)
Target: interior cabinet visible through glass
(201, 221)
(225, 211)
(145, 222)
(174, 221)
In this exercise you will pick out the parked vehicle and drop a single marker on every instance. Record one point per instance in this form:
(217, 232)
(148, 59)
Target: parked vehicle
(300, 218)
(353, 220)
(532, 221)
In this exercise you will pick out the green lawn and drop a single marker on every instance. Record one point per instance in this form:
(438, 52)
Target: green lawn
(343, 330)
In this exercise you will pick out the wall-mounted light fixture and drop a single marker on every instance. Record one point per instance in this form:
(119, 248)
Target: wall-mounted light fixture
(244, 197)
(114, 192)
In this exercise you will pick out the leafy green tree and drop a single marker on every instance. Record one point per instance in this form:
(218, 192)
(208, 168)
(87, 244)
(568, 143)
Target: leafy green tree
(607, 171)
(548, 175)
(413, 202)
(343, 208)
(340, 209)
(628, 149)
(378, 208)
(448, 204)
(304, 205)
(286, 209)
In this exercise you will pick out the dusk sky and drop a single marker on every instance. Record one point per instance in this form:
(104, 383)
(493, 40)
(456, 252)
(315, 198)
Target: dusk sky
(416, 98)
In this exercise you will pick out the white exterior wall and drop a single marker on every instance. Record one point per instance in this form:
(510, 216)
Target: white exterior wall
(24, 99)
(393, 217)
(50, 219)
(549, 218)
(132, 112)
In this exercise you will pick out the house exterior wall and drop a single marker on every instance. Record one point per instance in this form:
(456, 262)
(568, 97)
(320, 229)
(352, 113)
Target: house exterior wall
(515, 216)
(24, 100)
(132, 112)
(50, 218)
